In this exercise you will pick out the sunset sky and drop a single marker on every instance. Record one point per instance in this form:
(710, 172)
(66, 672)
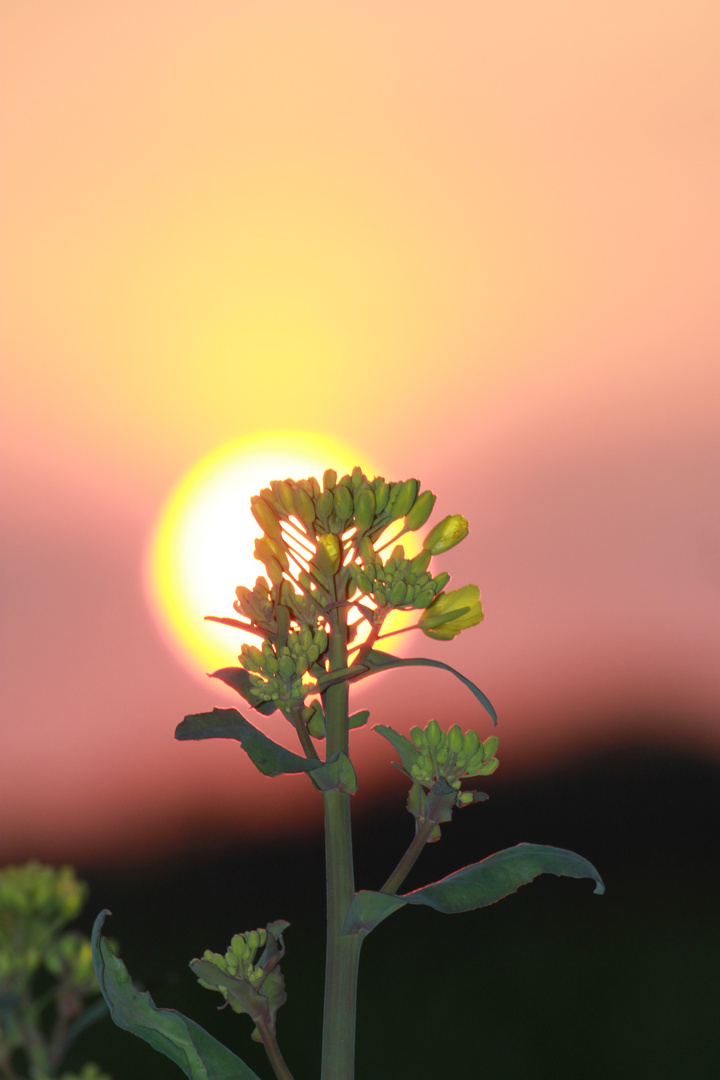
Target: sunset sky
(478, 242)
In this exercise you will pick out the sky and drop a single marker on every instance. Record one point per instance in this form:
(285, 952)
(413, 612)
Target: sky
(478, 243)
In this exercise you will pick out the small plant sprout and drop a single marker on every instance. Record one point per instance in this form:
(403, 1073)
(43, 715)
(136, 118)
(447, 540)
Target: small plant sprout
(334, 571)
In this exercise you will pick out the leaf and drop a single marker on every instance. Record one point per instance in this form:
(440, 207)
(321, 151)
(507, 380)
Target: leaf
(337, 774)
(359, 718)
(405, 748)
(268, 756)
(385, 660)
(477, 885)
(238, 679)
(194, 1050)
(379, 661)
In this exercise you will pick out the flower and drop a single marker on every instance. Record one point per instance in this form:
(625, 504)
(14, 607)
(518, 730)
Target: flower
(452, 612)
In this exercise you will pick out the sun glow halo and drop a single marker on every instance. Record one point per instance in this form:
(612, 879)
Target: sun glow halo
(202, 547)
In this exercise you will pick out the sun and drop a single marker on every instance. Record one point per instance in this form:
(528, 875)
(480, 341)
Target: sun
(202, 546)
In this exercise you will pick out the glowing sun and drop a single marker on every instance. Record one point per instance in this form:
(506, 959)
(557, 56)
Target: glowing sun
(202, 547)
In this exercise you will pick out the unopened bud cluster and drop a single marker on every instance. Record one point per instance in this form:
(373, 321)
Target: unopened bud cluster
(239, 960)
(399, 582)
(276, 672)
(450, 756)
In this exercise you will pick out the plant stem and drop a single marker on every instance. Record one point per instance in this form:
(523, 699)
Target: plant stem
(273, 1051)
(410, 857)
(343, 952)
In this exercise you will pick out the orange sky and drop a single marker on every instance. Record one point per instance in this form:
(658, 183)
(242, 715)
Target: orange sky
(479, 241)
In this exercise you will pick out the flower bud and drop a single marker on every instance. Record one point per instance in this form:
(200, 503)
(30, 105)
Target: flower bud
(446, 534)
(455, 739)
(329, 479)
(303, 506)
(403, 498)
(265, 517)
(433, 734)
(382, 494)
(421, 511)
(331, 544)
(364, 509)
(343, 503)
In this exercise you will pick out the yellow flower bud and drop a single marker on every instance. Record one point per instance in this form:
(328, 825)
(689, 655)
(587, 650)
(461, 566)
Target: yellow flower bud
(446, 534)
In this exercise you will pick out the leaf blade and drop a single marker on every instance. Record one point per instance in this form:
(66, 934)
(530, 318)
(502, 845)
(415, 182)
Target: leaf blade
(379, 661)
(500, 875)
(269, 757)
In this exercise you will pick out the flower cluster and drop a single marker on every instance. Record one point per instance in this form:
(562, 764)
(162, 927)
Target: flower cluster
(321, 550)
(399, 582)
(431, 754)
(248, 984)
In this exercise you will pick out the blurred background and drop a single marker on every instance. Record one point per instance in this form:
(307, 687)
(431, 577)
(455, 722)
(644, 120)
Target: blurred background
(477, 242)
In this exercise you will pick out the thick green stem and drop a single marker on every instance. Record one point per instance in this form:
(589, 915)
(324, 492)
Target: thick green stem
(410, 857)
(343, 952)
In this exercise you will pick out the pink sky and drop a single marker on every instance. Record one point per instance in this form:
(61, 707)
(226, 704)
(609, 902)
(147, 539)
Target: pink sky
(479, 242)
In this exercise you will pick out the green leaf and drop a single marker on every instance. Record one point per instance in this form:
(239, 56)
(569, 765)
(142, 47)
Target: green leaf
(268, 756)
(194, 1050)
(379, 661)
(405, 748)
(475, 886)
(359, 718)
(337, 774)
(238, 679)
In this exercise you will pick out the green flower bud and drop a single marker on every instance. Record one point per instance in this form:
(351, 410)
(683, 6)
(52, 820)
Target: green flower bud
(421, 511)
(325, 505)
(446, 534)
(301, 665)
(455, 739)
(251, 658)
(421, 562)
(403, 498)
(283, 492)
(398, 593)
(487, 767)
(464, 798)
(329, 479)
(439, 582)
(286, 665)
(382, 494)
(490, 746)
(433, 734)
(416, 734)
(362, 581)
(358, 478)
(452, 612)
(364, 509)
(343, 503)
(471, 742)
(265, 517)
(303, 506)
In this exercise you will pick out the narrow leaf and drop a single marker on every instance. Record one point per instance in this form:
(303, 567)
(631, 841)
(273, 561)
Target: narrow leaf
(501, 874)
(268, 756)
(194, 1050)
(475, 886)
(379, 661)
